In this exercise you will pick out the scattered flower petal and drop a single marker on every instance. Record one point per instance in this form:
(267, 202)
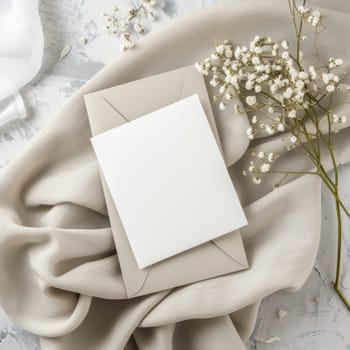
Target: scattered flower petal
(265, 167)
(65, 51)
(281, 313)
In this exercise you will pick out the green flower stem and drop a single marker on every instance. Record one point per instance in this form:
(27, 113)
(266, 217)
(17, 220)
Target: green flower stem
(342, 297)
(299, 37)
(312, 146)
(337, 272)
(293, 172)
(333, 186)
(339, 248)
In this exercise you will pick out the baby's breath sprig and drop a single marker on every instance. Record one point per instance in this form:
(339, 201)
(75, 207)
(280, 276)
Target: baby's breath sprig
(283, 94)
(125, 27)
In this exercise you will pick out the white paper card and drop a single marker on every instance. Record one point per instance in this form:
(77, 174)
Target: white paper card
(169, 181)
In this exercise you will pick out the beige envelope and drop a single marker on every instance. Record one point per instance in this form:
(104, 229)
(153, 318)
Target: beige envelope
(112, 107)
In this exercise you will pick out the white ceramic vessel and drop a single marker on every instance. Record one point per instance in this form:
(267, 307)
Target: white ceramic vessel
(21, 51)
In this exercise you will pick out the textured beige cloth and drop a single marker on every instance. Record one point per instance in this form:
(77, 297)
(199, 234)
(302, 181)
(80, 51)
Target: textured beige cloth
(59, 275)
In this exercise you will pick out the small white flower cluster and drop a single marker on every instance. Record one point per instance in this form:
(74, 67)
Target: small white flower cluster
(261, 166)
(123, 26)
(334, 62)
(263, 69)
(343, 87)
(277, 91)
(303, 11)
(339, 119)
(330, 80)
(313, 17)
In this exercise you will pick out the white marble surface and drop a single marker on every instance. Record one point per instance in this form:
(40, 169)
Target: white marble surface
(315, 319)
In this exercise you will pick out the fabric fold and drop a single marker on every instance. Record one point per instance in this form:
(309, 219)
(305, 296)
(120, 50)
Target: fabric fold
(59, 275)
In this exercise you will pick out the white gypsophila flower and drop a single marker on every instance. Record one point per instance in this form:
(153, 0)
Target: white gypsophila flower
(257, 88)
(228, 53)
(257, 180)
(331, 64)
(223, 89)
(292, 113)
(284, 44)
(249, 85)
(325, 78)
(313, 73)
(339, 61)
(255, 60)
(254, 119)
(335, 118)
(236, 108)
(330, 88)
(251, 132)
(215, 81)
(261, 155)
(303, 75)
(123, 26)
(139, 28)
(127, 43)
(299, 84)
(306, 105)
(339, 119)
(252, 167)
(288, 93)
(274, 88)
(330, 78)
(343, 87)
(280, 127)
(315, 18)
(220, 49)
(150, 3)
(293, 139)
(222, 106)
(229, 96)
(201, 68)
(215, 56)
(234, 81)
(334, 62)
(250, 100)
(285, 55)
(265, 167)
(302, 10)
(271, 157)
(258, 49)
(270, 129)
(251, 76)
(276, 67)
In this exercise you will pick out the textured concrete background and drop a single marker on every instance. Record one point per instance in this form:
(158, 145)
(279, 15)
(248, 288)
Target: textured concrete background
(313, 318)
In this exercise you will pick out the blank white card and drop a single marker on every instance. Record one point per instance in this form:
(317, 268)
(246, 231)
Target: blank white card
(169, 181)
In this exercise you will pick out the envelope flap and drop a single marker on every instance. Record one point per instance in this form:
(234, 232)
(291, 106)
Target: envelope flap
(143, 96)
(202, 262)
(103, 116)
(231, 245)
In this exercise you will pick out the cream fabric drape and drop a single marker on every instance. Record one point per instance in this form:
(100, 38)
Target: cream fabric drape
(59, 274)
